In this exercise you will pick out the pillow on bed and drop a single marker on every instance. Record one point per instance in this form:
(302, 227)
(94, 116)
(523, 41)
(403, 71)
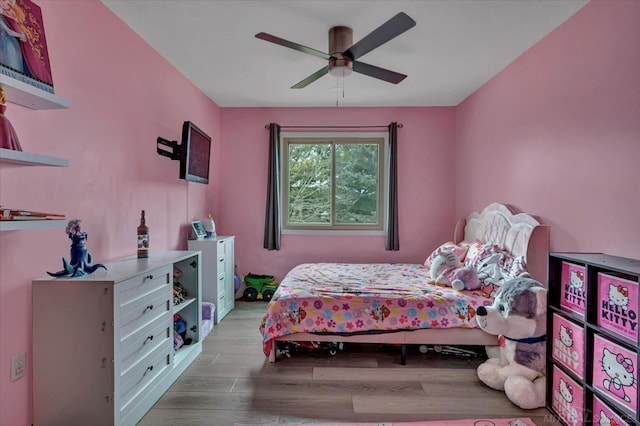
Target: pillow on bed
(494, 265)
(477, 251)
(459, 249)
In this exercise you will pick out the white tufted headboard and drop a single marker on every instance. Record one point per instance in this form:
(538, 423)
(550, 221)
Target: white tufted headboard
(520, 234)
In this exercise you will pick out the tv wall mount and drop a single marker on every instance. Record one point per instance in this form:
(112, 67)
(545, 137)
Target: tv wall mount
(174, 150)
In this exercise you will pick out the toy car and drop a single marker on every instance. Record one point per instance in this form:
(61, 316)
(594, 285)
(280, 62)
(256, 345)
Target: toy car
(259, 287)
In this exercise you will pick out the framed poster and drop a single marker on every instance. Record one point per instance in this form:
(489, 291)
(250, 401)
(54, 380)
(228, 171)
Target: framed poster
(23, 45)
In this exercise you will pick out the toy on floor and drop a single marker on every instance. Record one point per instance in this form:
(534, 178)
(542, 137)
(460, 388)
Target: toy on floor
(288, 349)
(450, 350)
(519, 315)
(259, 287)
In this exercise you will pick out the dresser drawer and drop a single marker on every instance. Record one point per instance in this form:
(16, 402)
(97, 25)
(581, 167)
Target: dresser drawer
(221, 267)
(137, 345)
(221, 249)
(143, 376)
(136, 314)
(220, 285)
(141, 285)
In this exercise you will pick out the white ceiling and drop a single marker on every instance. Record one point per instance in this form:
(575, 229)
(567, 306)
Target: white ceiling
(456, 46)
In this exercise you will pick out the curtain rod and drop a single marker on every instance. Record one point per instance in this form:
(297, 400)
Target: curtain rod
(266, 126)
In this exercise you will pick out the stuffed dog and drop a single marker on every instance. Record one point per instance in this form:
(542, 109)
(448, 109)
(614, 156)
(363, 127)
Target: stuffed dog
(519, 315)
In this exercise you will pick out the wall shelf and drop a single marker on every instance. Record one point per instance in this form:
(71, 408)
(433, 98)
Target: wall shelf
(19, 225)
(29, 96)
(10, 156)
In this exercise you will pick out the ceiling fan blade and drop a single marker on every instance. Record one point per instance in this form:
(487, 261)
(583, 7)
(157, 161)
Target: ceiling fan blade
(313, 77)
(377, 72)
(292, 45)
(385, 32)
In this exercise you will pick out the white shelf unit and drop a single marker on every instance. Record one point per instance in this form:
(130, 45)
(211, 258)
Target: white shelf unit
(103, 347)
(21, 225)
(217, 272)
(21, 158)
(29, 96)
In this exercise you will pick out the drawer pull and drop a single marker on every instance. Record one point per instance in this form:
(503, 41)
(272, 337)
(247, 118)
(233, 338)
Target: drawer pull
(148, 308)
(149, 368)
(149, 277)
(149, 338)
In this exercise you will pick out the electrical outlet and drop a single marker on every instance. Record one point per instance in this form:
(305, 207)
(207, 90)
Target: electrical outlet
(18, 366)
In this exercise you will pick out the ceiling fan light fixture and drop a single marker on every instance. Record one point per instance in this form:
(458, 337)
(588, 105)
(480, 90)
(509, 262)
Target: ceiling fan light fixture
(340, 70)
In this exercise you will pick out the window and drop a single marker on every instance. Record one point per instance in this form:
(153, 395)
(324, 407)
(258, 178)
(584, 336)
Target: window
(333, 182)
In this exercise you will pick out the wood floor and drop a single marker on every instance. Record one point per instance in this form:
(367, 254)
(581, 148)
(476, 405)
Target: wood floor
(233, 382)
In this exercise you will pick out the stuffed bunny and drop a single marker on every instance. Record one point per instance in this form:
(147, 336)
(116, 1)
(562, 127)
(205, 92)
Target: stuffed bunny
(447, 269)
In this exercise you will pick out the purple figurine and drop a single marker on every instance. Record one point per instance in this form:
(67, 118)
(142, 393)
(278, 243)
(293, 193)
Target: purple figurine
(81, 262)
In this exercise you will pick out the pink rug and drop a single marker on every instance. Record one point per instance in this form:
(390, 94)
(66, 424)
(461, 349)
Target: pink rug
(466, 422)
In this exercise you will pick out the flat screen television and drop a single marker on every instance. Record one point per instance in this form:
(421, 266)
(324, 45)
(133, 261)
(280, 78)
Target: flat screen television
(195, 154)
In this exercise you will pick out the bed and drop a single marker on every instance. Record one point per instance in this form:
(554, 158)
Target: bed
(389, 303)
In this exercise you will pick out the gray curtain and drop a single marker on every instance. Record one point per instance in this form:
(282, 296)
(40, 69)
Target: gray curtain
(272, 216)
(393, 241)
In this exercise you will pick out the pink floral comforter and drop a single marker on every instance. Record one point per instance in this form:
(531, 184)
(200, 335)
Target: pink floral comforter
(345, 298)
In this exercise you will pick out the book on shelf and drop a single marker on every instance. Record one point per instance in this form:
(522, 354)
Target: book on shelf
(26, 79)
(9, 214)
(30, 64)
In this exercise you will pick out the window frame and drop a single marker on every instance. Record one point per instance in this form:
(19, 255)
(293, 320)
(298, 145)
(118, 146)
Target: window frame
(379, 138)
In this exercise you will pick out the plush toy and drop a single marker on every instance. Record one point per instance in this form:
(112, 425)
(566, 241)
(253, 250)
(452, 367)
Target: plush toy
(519, 316)
(447, 269)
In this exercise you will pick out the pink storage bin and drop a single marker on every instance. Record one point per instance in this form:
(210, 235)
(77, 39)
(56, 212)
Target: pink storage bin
(615, 372)
(603, 415)
(568, 344)
(573, 290)
(618, 305)
(567, 398)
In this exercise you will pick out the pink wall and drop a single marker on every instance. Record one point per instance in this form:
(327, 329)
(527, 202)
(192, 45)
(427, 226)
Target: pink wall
(557, 133)
(425, 148)
(123, 96)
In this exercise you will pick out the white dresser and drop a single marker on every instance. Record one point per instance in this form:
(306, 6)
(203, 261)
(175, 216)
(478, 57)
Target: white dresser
(218, 269)
(103, 349)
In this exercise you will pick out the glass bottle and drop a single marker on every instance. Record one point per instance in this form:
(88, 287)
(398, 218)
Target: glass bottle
(143, 238)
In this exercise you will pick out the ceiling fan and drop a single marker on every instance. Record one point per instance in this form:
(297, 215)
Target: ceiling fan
(343, 54)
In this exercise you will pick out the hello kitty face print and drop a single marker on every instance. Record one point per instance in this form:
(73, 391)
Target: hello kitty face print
(566, 336)
(619, 295)
(605, 420)
(576, 279)
(620, 372)
(566, 391)
(604, 416)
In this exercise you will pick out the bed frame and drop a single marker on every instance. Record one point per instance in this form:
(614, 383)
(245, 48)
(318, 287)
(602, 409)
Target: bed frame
(519, 233)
